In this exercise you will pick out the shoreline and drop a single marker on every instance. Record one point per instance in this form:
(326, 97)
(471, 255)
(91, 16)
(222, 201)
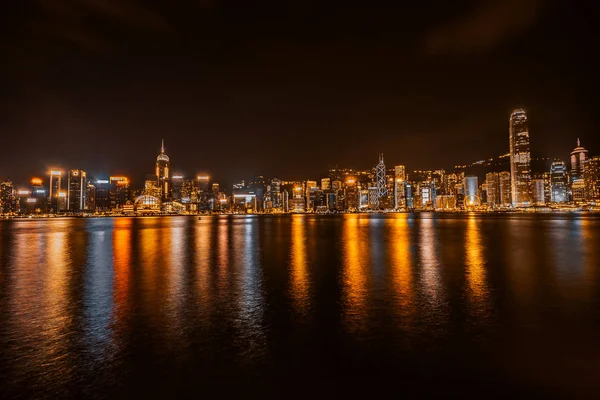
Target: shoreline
(199, 216)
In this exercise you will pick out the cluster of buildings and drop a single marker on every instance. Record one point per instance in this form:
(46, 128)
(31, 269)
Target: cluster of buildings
(514, 181)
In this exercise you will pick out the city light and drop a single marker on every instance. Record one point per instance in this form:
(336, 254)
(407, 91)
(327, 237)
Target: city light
(55, 173)
(36, 181)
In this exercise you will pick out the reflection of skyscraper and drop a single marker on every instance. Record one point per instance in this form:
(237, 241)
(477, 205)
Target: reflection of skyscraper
(558, 182)
(520, 159)
(76, 186)
(578, 159)
(162, 173)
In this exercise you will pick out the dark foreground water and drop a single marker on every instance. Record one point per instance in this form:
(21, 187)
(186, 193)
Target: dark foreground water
(300, 307)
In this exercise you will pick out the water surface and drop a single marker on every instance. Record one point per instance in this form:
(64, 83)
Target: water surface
(300, 306)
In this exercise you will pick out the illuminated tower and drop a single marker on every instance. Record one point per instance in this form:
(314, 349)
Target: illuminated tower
(162, 173)
(382, 190)
(520, 159)
(578, 159)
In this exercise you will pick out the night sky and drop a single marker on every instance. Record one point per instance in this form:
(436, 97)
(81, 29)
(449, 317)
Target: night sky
(289, 88)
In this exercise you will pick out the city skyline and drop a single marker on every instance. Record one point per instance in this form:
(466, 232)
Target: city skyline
(510, 182)
(567, 158)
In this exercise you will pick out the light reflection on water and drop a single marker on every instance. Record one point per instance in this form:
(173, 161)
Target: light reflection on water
(93, 307)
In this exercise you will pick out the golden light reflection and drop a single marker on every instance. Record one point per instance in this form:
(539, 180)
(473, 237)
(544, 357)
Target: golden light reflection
(204, 245)
(299, 276)
(430, 264)
(402, 265)
(55, 300)
(591, 255)
(223, 252)
(355, 280)
(150, 256)
(475, 263)
(122, 269)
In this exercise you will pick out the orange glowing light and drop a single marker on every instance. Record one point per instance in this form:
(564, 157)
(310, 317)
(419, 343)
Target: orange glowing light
(36, 181)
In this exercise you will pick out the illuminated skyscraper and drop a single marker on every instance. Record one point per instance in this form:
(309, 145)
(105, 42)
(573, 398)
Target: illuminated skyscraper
(380, 176)
(558, 182)
(492, 185)
(399, 188)
(54, 190)
(162, 173)
(538, 194)
(579, 157)
(520, 159)
(90, 197)
(592, 179)
(7, 197)
(76, 186)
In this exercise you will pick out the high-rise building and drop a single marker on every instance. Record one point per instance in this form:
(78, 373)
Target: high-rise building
(102, 192)
(592, 179)
(162, 174)
(382, 190)
(492, 186)
(505, 189)
(538, 193)
(399, 187)
(120, 192)
(76, 186)
(325, 183)
(578, 192)
(558, 182)
(578, 158)
(298, 202)
(311, 190)
(7, 197)
(176, 187)
(90, 197)
(520, 159)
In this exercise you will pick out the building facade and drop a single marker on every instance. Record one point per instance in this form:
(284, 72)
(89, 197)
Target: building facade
(520, 159)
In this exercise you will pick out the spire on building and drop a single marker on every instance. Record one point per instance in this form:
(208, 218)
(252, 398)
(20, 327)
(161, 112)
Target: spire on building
(578, 143)
(162, 146)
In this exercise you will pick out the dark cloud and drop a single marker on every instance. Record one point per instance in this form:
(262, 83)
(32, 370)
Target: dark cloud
(488, 24)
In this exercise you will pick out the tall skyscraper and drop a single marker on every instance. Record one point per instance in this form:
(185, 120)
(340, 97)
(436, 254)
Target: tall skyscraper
(162, 173)
(505, 189)
(579, 156)
(520, 159)
(558, 182)
(76, 187)
(380, 175)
